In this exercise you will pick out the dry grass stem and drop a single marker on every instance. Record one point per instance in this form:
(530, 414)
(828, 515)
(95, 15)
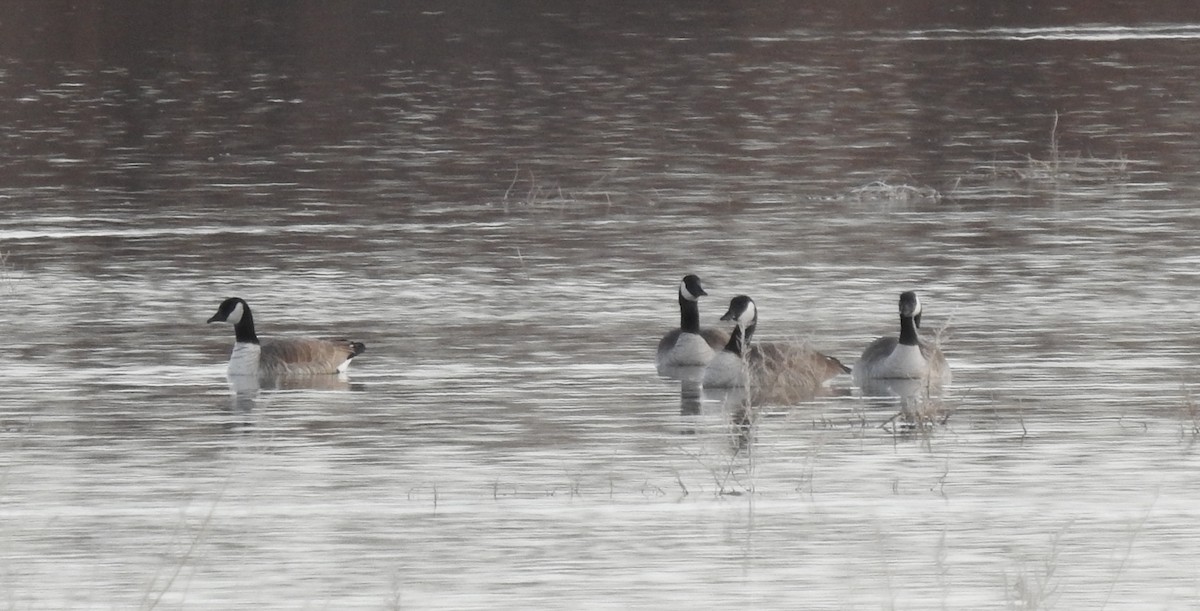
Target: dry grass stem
(1189, 415)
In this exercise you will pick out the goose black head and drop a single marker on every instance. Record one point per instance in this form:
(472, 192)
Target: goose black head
(910, 307)
(231, 311)
(743, 311)
(690, 288)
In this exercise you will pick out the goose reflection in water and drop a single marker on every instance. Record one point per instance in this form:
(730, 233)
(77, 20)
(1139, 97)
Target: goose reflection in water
(245, 391)
(780, 395)
(691, 392)
(743, 417)
(920, 402)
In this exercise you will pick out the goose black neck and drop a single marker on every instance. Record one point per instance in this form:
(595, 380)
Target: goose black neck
(908, 331)
(244, 329)
(740, 338)
(689, 315)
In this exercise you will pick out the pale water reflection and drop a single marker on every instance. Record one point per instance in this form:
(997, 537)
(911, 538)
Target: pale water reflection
(499, 203)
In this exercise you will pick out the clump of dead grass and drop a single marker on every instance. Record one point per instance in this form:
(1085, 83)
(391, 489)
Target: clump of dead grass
(527, 191)
(1035, 586)
(7, 279)
(1057, 169)
(883, 191)
(790, 373)
(733, 471)
(921, 412)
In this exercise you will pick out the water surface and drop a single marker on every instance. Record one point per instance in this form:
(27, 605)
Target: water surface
(500, 204)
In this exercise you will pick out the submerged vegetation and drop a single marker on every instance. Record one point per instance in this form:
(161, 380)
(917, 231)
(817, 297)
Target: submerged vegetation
(1056, 171)
(1035, 585)
(526, 191)
(881, 190)
(1189, 415)
(6, 272)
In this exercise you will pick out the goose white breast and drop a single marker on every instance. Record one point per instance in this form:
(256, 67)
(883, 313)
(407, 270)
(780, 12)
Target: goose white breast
(905, 357)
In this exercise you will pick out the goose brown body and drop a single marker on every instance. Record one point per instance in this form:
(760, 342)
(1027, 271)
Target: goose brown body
(307, 356)
(773, 371)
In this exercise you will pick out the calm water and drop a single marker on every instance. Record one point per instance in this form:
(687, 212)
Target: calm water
(500, 202)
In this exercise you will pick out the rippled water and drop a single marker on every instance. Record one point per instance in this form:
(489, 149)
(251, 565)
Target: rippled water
(500, 204)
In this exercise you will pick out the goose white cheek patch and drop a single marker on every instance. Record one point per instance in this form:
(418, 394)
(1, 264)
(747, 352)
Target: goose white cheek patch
(683, 290)
(747, 316)
(236, 315)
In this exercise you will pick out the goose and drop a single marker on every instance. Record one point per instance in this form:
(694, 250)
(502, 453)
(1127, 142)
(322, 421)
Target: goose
(281, 356)
(779, 370)
(903, 358)
(689, 345)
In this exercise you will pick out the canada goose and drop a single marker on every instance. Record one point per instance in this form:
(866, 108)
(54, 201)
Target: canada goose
(889, 358)
(778, 370)
(282, 356)
(689, 345)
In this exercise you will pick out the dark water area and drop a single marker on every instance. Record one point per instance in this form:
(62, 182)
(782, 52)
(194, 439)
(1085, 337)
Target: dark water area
(435, 104)
(500, 200)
